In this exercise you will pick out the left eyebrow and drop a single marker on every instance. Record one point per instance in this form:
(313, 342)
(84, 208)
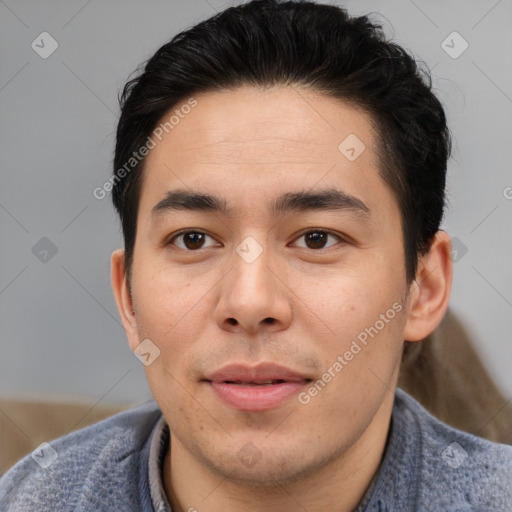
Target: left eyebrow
(327, 199)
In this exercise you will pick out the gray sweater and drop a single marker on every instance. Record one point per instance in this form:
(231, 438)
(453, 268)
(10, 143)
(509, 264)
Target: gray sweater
(115, 465)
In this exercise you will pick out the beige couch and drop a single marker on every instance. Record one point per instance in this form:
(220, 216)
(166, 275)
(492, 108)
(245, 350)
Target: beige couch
(25, 424)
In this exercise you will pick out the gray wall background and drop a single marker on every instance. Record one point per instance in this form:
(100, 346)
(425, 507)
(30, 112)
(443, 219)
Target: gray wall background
(60, 333)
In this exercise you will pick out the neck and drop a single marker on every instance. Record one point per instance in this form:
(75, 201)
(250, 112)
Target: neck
(339, 485)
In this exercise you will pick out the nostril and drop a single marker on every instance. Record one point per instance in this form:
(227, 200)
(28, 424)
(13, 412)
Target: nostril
(232, 321)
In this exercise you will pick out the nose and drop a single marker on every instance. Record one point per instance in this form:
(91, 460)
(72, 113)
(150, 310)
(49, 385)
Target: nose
(254, 296)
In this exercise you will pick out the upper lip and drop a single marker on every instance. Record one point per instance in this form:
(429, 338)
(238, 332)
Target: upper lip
(261, 372)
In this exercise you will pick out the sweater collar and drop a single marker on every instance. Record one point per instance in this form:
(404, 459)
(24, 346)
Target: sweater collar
(394, 487)
(397, 481)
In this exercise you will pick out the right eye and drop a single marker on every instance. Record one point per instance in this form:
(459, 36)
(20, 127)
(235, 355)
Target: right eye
(192, 240)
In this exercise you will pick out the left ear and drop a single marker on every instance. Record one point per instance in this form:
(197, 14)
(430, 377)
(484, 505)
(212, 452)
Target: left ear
(429, 293)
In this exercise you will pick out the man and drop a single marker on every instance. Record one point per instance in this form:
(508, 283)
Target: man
(279, 173)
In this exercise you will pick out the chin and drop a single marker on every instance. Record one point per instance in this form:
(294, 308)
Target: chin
(269, 468)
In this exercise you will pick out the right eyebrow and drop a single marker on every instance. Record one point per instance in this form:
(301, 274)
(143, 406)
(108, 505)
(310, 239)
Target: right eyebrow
(177, 200)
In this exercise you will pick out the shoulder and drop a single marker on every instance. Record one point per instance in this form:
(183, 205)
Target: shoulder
(455, 467)
(92, 463)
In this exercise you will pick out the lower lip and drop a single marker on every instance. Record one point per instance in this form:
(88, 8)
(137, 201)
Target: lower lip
(256, 398)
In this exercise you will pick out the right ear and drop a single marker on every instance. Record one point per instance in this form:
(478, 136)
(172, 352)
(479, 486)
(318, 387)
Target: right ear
(123, 298)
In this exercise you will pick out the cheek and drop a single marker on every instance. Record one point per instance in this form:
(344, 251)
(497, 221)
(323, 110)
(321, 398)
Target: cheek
(348, 304)
(365, 316)
(165, 295)
(171, 310)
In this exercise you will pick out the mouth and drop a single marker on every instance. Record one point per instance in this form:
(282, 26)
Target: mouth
(259, 388)
(252, 383)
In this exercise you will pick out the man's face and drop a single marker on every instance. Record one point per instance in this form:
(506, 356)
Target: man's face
(295, 288)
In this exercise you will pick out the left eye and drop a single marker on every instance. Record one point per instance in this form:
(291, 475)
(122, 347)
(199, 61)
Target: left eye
(317, 239)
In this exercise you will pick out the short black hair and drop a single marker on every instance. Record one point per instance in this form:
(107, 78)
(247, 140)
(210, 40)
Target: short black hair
(270, 42)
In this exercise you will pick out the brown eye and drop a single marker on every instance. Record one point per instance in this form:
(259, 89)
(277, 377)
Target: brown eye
(191, 240)
(317, 239)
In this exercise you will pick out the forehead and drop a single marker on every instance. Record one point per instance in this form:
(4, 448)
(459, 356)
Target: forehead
(304, 123)
(255, 141)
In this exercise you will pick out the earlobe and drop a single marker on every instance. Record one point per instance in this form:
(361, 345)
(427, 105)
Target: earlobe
(430, 291)
(122, 296)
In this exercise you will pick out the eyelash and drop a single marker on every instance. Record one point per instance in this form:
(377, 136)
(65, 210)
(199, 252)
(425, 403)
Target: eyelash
(310, 230)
